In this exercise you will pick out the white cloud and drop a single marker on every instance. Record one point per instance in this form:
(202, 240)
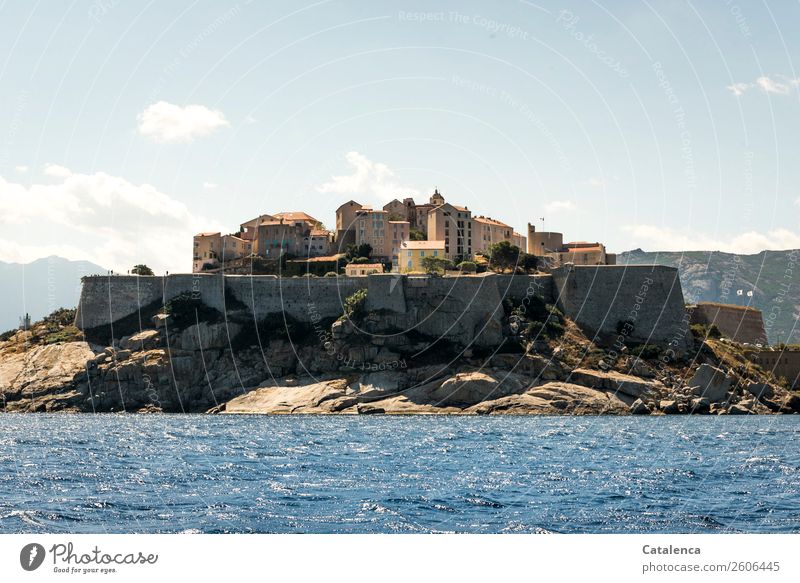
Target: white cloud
(766, 84)
(21, 169)
(665, 239)
(168, 123)
(57, 171)
(369, 180)
(739, 88)
(770, 86)
(100, 218)
(210, 185)
(555, 206)
(250, 120)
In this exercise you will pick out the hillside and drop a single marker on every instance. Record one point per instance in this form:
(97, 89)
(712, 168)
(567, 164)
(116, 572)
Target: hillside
(40, 287)
(712, 276)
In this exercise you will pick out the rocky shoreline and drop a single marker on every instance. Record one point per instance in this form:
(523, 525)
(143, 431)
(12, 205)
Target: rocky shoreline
(353, 367)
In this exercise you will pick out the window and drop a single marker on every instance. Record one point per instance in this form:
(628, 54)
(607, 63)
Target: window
(436, 254)
(410, 253)
(410, 263)
(422, 253)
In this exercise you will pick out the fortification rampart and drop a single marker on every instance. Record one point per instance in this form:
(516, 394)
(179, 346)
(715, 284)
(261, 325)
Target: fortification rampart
(464, 309)
(641, 303)
(105, 300)
(739, 323)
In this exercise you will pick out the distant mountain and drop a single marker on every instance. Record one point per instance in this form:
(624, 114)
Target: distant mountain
(773, 276)
(40, 287)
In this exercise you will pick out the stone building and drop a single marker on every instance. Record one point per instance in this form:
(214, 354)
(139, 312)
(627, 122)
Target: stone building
(453, 225)
(401, 210)
(551, 246)
(345, 225)
(489, 231)
(362, 269)
(268, 236)
(783, 364)
(213, 250)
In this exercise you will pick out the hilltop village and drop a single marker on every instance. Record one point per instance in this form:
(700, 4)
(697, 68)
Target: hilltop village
(414, 314)
(396, 238)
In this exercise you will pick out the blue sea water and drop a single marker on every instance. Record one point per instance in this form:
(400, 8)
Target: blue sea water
(341, 474)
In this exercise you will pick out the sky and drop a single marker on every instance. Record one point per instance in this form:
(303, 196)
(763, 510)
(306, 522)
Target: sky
(126, 127)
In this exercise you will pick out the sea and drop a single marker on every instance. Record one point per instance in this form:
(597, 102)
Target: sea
(111, 473)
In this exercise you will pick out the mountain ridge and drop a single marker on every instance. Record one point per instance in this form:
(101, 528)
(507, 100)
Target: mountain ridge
(716, 276)
(40, 287)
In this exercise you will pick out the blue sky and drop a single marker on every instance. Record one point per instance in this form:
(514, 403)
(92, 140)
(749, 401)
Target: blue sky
(127, 126)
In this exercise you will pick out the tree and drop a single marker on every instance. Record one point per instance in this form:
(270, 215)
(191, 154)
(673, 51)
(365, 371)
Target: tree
(141, 269)
(528, 262)
(503, 255)
(416, 234)
(354, 251)
(435, 265)
(467, 266)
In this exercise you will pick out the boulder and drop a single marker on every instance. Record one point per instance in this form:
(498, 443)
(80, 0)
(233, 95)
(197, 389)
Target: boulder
(554, 398)
(699, 405)
(330, 396)
(739, 409)
(40, 371)
(639, 408)
(615, 382)
(790, 404)
(761, 390)
(470, 388)
(640, 369)
(669, 406)
(144, 340)
(711, 383)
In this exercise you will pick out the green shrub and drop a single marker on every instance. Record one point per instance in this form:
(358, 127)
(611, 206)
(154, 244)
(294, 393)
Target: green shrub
(468, 266)
(647, 352)
(702, 331)
(61, 317)
(8, 334)
(355, 304)
(331, 274)
(67, 334)
(554, 328)
(539, 318)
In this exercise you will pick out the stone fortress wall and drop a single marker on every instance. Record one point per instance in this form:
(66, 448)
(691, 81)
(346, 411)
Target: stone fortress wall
(739, 323)
(463, 309)
(639, 303)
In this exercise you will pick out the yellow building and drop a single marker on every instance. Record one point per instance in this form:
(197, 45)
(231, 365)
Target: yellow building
(413, 252)
(362, 269)
(399, 232)
(583, 253)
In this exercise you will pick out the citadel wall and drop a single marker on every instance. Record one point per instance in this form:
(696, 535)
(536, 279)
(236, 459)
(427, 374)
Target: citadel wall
(464, 309)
